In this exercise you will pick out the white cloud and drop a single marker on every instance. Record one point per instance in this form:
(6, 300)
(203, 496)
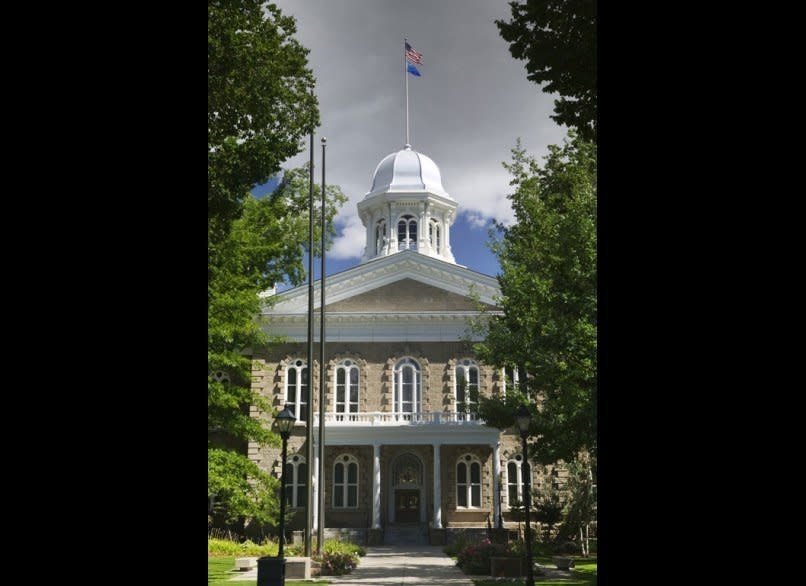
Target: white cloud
(352, 238)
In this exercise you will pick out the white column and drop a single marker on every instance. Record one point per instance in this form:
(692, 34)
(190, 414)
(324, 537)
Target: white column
(423, 233)
(437, 489)
(448, 254)
(496, 478)
(315, 489)
(376, 487)
(431, 250)
(392, 232)
(369, 249)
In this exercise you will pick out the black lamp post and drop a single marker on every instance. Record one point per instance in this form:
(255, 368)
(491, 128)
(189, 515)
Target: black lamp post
(271, 571)
(524, 418)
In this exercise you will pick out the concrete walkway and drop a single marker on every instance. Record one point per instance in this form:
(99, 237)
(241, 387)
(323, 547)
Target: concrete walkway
(397, 565)
(393, 565)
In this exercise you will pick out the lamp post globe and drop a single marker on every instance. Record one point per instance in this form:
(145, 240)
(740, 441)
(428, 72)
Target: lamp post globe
(524, 419)
(285, 421)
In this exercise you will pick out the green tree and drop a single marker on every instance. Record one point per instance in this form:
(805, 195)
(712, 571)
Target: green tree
(548, 298)
(549, 505)
(581, 506)
(260, 103)
(264, 246)
(557, 39)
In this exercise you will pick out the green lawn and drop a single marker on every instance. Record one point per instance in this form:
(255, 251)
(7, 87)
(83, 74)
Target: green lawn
(583, 574)
(220, 570)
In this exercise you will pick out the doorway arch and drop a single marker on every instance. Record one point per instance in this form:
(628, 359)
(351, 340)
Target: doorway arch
(406, 494)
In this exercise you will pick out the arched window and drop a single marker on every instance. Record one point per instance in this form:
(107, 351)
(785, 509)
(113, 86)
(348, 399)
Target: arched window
(466, 385)
(434, 236)
(219, 376)
(407, 389)
(346, 390)
(509, 379)
(407, 471)
(380, 235)
(468, 482)
(296, 485)
(407, 233)
(296, 389)
(514, 481)
(345, 482)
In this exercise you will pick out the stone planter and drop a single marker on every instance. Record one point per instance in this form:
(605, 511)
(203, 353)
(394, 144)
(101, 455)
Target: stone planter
(563, 563)
(509, 567)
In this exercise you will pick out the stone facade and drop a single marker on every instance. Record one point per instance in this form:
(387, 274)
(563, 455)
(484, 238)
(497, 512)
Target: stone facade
(407, 306)
(376, 363)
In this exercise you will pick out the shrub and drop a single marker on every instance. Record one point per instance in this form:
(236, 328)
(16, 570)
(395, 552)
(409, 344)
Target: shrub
(331, 546)
(453, 549)
(227, 547)
(338, 546)
(475, 559)
(567, 547)
(337, 563)
(338, 557)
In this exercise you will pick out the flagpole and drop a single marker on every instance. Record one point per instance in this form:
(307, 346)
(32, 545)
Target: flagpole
(406, 76)
(320, 527)
(309, 419)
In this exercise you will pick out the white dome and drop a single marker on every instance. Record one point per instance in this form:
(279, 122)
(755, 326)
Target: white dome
(407, 171)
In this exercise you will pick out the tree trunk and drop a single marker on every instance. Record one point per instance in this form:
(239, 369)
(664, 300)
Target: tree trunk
(584, 541)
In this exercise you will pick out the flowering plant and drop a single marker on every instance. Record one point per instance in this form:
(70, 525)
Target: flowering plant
(338, 563)
(475, 558)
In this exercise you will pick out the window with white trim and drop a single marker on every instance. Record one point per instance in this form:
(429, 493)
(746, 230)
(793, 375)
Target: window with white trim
(407, 233)
(345, 482)
(514, 481)
(296, 389)
(346, 385)
(296, 485)
(509, 379)
(406, 388)
(468, 482)
(466, 385)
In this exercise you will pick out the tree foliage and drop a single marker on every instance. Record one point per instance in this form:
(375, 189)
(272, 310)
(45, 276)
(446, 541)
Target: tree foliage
(557, 39)
(264, 246)
(581, 502)
(549, 505)
(548, 298)
(259, 103)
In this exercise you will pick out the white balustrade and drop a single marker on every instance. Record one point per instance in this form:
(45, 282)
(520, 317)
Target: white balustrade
(380, 418)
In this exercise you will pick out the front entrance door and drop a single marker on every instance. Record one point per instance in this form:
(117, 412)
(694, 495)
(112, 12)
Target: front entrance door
(407, 506)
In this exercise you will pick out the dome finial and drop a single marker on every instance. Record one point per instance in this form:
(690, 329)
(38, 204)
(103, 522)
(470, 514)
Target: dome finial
(407, 147)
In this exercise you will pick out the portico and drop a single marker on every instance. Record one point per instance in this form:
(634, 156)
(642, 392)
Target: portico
(407, 475)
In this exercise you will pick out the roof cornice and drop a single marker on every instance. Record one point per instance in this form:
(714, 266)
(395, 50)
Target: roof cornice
(382, 271)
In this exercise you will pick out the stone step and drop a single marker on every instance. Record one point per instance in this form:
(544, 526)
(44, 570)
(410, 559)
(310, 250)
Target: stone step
(406, 535)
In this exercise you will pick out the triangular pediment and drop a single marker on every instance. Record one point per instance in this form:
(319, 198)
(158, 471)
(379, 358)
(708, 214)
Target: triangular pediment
(402, 282)
(405, 295)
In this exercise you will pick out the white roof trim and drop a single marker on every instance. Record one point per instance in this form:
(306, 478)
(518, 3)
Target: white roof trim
(382, 271)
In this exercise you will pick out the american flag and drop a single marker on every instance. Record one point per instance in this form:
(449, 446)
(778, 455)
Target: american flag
(413, 56)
